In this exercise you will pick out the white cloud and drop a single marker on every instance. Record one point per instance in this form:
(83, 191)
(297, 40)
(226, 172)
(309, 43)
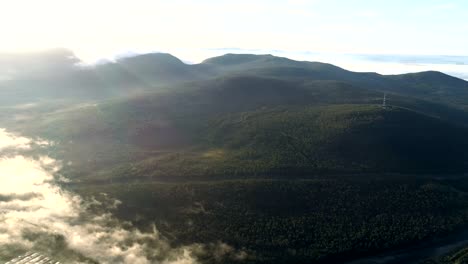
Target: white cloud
(8, 140)
(38, 215)
(33, 208)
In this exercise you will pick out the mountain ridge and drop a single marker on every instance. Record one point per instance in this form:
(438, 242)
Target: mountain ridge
(61, 78)
(270, 153)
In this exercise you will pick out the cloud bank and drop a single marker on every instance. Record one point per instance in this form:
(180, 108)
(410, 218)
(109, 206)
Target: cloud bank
(36, 214)
(8, 140)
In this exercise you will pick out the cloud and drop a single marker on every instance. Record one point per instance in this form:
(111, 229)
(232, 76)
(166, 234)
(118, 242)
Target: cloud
(37, 215)
(8, 140)
(22, 197)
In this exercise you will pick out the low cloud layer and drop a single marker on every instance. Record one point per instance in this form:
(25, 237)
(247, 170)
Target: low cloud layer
(38, 215)
(8, 140)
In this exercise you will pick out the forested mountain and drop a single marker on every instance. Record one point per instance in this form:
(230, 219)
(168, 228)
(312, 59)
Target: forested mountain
(290, 161)
(58, 74)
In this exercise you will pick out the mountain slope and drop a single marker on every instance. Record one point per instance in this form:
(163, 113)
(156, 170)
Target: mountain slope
(57, 75)
(434, 86)
(252, 126)
(344, 138)
(306, 141)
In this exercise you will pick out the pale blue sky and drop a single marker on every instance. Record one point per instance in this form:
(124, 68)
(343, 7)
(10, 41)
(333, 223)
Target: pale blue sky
(416, 26)
(196, 29)
(98, 28)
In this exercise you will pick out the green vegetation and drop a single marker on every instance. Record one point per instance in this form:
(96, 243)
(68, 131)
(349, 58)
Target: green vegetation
(258, 127)
(287, 161)
(344, 138)
(301, 221)
(459, 256)
(305, 141)
(54, 75)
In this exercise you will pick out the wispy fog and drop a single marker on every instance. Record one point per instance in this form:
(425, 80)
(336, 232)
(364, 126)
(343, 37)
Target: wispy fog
(8, 140)
(36, 214)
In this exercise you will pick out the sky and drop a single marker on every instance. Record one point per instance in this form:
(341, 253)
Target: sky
(194, 30)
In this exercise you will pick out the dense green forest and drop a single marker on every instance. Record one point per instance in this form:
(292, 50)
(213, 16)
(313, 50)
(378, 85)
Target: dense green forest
(253, 127)
(284, 161)
(300, 221)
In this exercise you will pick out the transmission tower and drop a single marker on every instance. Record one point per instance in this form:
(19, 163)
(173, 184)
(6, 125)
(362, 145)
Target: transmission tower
(384, 102)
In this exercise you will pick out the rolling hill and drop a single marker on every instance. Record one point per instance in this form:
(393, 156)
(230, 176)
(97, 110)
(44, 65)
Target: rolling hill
(246, 126)
(59, 75)
(285, 161)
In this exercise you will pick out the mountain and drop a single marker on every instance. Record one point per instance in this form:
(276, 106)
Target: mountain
(58, 75)
(157, 68)
(285, 161)
(152, 105)
(434, 86)
(48, 62)
(264, 126)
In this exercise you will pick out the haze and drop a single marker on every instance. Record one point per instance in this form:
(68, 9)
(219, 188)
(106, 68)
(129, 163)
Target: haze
(97, 29)
(209, 132)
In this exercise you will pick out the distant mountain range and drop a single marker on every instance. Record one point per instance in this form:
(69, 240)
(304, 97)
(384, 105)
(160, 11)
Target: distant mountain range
(261, 113)
(56, 74)
(288, 161)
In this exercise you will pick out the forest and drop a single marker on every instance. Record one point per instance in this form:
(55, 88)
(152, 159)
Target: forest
(252, 158)
(300, 221)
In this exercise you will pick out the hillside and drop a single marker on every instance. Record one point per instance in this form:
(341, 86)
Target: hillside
(435, 86)
(307, 141)
(59, 75)
(295, 221)
(284, 161)
(349, 138)
(255, 127)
